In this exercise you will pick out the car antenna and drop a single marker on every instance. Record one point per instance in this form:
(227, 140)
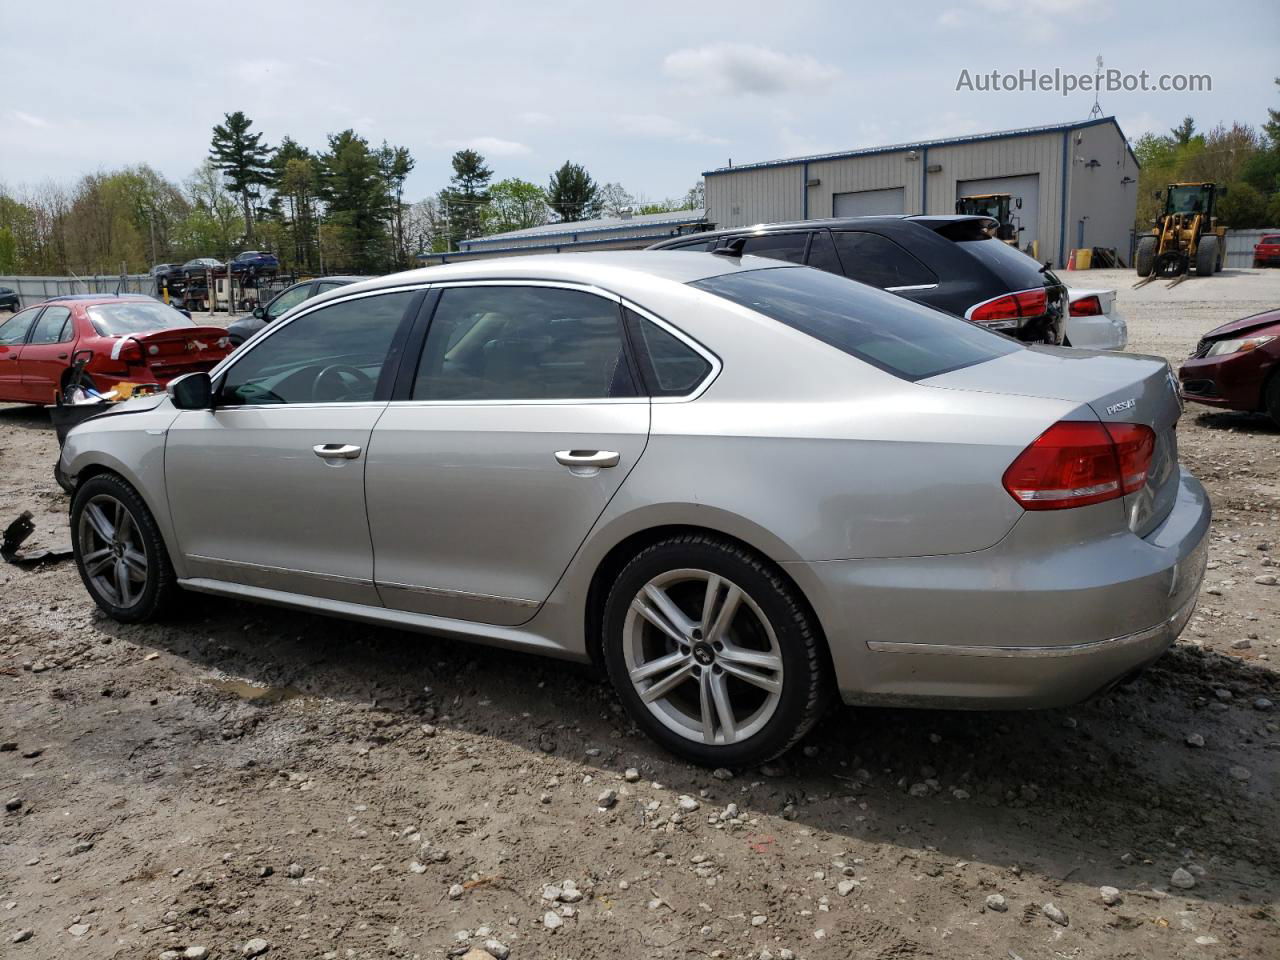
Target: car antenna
(733, 248)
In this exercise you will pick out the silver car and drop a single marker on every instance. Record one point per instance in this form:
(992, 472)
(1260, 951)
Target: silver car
(742, 486)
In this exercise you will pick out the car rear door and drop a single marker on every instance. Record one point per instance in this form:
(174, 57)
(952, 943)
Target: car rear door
(488, 469)
(47, 354)
(13, 337)
(267, 488)
(879, 261)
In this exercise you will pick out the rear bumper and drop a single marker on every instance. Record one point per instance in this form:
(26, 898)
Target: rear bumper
(1016, 625)
(1107, 331)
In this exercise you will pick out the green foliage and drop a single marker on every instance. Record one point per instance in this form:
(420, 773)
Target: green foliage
(572, 194)
(515, 204)
(465, 199)
(8, 251)
(1243, 207)
(243, 159)
(1183, 132)
(352, 186)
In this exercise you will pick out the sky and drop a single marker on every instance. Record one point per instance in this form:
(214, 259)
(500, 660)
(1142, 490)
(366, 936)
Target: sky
(646, 94)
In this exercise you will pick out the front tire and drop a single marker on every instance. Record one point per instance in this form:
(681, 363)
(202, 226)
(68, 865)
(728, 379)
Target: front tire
(1144, 260)
(119, 551)
(1206, 256)
(713, 653)
(1271, 398)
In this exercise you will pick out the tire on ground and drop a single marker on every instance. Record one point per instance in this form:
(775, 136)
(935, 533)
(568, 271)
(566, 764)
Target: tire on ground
(1206, 256)
(1271, 397)
(807, 682)
(1145, 258)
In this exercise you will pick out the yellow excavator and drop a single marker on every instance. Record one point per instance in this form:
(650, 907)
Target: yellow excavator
(998, 206)
(1186, 234)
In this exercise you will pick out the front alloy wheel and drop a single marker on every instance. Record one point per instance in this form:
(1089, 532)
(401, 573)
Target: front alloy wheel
(713, 653)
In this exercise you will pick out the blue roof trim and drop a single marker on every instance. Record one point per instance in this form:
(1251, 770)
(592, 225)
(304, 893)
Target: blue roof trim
(619, 228)
(538, 248)
(925, 144)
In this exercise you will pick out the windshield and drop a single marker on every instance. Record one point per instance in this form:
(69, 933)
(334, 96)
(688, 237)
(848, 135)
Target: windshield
(121, 319)
(1193, 199)
(905, 339)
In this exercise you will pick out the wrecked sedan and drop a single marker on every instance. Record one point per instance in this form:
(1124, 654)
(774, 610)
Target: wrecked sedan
(744, 487)
(124, 339)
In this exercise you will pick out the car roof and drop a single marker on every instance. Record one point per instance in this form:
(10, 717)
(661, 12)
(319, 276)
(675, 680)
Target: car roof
(933, 222)
(599, 269)
(92, 298)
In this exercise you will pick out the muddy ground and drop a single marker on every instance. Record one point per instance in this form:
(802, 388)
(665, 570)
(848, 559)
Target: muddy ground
(334, 790)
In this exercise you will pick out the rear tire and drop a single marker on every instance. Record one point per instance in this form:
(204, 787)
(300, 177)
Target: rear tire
(1207, 256)
(732, 688)
(1145, 257)
(85, 382)
(119, 552)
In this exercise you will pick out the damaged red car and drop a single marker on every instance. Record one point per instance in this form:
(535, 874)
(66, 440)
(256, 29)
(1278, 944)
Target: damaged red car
(124, 339)
(1237, 366)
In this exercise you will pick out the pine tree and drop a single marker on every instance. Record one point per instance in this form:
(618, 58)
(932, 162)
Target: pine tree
(466, 199)
(244, 159)
(352, 186)
(572, 194)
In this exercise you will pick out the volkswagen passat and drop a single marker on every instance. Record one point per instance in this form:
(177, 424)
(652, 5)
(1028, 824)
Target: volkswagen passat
(743, 486)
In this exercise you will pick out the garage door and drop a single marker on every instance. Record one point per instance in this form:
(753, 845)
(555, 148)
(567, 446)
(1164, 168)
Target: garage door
(869, 203)
(1027, 187)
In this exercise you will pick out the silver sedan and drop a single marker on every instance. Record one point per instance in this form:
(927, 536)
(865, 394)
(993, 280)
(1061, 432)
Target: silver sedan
(743, 487)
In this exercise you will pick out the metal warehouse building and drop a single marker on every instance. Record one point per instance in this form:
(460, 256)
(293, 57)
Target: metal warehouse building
(1077, 181)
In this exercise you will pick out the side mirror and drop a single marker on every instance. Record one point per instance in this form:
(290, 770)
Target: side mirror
(260, 313)
(191, 391)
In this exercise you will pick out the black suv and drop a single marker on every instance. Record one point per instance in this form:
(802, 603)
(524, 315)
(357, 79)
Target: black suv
(9, 299)
(952, 263)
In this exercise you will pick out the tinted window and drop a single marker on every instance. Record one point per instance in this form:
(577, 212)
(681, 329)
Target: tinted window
(139, 316)
(54, 326)
(822, 253)
(693, 245)
(1013, 267)
(871, 258)
(290, 298)
(778, 246)
(670, 366)
(523, 343)
(896, 335)
(333, 355)
(14, 330)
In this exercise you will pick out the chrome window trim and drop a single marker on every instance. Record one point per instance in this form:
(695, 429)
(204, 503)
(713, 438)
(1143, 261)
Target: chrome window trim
(680, 335)
(913, 286)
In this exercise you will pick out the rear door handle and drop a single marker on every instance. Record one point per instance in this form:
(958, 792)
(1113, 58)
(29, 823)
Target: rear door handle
(587, 458)
(336, 451)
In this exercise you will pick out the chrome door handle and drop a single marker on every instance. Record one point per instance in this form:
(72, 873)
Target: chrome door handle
(587, 458)
(336, 451)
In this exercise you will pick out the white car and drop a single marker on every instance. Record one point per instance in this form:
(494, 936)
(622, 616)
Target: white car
(1093, 323)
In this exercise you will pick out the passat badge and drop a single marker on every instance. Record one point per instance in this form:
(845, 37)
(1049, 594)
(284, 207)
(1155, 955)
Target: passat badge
(1122, 405)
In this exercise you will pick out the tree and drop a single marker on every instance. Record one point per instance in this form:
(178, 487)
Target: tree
(464, 201)
(425, 227)
(614, 200)
(515, 204)
(1271, 127)
(1183, 132)
(395, 165)
(211, 227)
(243, 159)
(296, 186)
(352, 186)
(572, 194)
(1242, 208)
(696, 198)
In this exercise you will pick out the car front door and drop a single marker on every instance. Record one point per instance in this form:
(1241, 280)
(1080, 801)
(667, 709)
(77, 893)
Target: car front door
(47, 355)
(13, 336)
(267, 487)
(522, 419)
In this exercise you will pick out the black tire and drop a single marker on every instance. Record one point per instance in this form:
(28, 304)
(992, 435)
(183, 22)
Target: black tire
(806, 682)
(1206, 256)
(85, 381)
(158, 586)
(1271, 397)
(1145, 257)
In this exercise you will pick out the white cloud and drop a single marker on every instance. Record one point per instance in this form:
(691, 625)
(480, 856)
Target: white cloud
(31, 120)
(490, 146)
(535, 117)
(658, 127)
(738, 68)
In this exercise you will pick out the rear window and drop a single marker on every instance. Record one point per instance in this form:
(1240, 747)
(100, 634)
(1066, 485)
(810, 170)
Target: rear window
(122, 319)
(1010, 264)
(1274, 238)
(898, 336)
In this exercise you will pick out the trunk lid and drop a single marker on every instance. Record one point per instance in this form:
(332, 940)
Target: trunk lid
(178, 350)
(1117, 388)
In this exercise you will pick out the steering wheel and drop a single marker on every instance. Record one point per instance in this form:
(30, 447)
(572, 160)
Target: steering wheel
(330, 386)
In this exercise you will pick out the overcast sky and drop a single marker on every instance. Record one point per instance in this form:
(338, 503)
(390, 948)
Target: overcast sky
(649, 94)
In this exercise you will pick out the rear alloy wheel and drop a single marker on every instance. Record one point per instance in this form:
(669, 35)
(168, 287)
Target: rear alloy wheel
(119, 551)
(712, 653)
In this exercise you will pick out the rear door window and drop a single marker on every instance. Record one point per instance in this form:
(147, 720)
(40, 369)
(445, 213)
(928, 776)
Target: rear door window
(898, 336)
(54, 326)
(778, 246)
(871, 258)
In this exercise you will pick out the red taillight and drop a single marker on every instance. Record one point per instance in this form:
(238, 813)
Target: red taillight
(131, 353)
(1012, 306)
(1076, 463)
(1086, 307)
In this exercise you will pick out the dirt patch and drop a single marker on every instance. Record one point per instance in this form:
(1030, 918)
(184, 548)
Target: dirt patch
(343, 791)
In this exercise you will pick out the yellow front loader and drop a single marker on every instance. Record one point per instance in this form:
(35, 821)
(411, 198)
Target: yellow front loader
(1187, 234)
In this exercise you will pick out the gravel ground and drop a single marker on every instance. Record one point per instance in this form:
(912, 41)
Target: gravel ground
(246, 781)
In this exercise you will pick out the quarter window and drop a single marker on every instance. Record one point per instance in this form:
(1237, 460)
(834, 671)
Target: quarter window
(670, 366)
(778, 246)
(871, 258)
(14, 330)
(54, 326)
(523, 343)
(332, 355)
